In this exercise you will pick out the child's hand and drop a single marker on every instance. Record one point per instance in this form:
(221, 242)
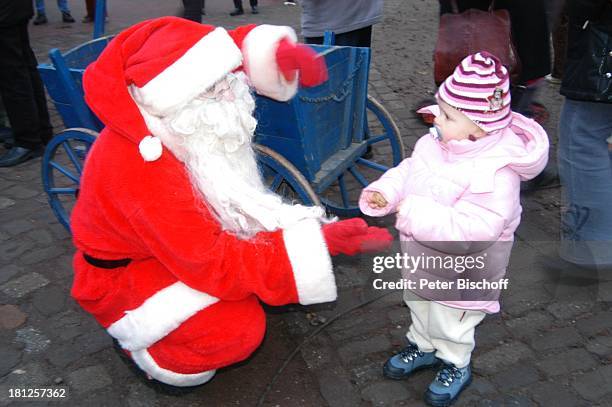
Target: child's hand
(376, 200)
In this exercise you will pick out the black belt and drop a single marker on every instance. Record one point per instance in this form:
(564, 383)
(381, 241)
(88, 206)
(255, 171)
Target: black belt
(106, 264)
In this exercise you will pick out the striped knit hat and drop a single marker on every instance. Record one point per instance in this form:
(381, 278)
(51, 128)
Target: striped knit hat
(480, 89)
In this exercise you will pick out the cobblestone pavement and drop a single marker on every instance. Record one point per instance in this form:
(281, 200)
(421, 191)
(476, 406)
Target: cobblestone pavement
(549, 346)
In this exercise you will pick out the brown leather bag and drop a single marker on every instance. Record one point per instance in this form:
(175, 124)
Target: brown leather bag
(462, 34)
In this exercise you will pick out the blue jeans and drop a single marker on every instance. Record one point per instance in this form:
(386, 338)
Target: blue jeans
(62, 5)
(585, 170)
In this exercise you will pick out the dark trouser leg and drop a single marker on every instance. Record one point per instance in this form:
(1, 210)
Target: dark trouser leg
(356, 38)
(22, 90)
(253, 3)
(238, 4)
(193, 10)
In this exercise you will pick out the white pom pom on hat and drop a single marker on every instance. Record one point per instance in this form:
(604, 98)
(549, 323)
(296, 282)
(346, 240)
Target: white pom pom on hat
(150, 148)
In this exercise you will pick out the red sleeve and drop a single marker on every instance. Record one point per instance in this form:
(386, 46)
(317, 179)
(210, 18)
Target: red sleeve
(280, 267)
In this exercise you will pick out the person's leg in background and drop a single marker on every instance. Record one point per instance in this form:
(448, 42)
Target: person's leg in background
(361, 37)
(41, 15)
(585, 170)
(23, 95)
(253, 4)
(62, 5)
(238, 10)
(193, 10)
(90, 6)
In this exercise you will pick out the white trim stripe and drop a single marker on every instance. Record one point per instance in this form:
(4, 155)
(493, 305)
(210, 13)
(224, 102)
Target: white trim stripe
(145, 361)
(309, 257)
(259, 49)
(159, 315)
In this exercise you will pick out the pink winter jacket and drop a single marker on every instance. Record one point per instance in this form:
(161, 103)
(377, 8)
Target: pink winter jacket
(463, 191)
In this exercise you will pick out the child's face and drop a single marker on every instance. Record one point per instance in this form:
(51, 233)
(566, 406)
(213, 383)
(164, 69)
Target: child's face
(454, 125)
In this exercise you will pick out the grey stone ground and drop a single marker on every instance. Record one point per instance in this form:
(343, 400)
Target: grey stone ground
(550, 345)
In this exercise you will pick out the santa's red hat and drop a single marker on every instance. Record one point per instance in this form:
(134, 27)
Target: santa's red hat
(168, 61)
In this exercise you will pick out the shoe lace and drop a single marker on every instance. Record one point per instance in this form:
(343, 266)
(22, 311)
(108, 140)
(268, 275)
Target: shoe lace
(410, 353)
(447, 375)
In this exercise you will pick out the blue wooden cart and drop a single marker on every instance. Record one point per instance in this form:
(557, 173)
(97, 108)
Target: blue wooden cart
(322, 147)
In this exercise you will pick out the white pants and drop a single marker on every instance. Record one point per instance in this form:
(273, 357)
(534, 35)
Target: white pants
(447, 331)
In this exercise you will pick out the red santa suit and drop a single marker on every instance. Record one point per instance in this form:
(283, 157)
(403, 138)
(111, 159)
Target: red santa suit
(152, 265)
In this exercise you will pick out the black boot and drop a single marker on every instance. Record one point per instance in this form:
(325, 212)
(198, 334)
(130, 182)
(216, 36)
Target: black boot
(40, 19)
(67, 17)
(17, 155)
(254, 10)
(237, 12)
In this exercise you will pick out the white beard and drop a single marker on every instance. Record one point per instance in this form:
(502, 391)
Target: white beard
(212, 136)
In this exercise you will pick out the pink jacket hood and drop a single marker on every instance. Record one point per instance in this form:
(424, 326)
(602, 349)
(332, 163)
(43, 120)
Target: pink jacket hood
(526, 154)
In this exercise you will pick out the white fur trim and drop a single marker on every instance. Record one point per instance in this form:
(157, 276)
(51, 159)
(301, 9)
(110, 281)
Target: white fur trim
(309, 257)
(207, 62)
(259, 49)
(150, 148)
(145, 361)
(159, 315)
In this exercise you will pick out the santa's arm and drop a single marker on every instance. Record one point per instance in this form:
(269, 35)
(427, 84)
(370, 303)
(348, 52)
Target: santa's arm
(280, 267)
(275, 63)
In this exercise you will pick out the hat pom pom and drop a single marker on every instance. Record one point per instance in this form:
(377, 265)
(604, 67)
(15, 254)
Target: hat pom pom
(150, 148)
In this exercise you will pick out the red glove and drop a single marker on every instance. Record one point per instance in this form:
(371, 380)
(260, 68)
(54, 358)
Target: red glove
(292, 58)
(352, 236)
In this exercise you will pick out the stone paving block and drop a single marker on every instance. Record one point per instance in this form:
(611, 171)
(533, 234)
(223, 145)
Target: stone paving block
(64, 354)
(594, 385)
(501, 357)
(24, 285)
(89, 379)
(600, 346)
(11, 317)
(9, 358)
(34, 340)
(528, 325)
(358, 349)
(567, 361)
(140, 395)
(317, 352)
(14, 248)
(39, 255)
(17, 226)
(8, 271)
(30, 375)
(490, 334)
(41, 236)
(568, 310)
(6, 202)
(50, 300)
(385, 393)
(557, 338)
(21, 192)
(516, 376)
(554, 394)
(367, 373)
(593, 325)
(482, 385)
(337, 390)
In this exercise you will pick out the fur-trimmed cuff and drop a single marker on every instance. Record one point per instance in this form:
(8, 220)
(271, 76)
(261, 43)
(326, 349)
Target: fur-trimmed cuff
(159, 315)
(311, 263)
(259, 50)
(145, 361)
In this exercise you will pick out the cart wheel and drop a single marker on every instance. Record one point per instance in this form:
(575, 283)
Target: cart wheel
(62, 167)
(386, 151)
(283, 178)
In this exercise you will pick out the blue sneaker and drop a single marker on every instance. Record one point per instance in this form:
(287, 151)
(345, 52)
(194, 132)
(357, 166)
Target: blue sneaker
(449, 382)
(409, 360)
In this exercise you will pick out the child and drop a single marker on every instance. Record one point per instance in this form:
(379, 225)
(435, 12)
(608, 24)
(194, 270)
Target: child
(461, 184)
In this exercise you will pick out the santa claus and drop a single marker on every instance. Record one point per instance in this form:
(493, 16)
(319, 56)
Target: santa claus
(177, 237)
